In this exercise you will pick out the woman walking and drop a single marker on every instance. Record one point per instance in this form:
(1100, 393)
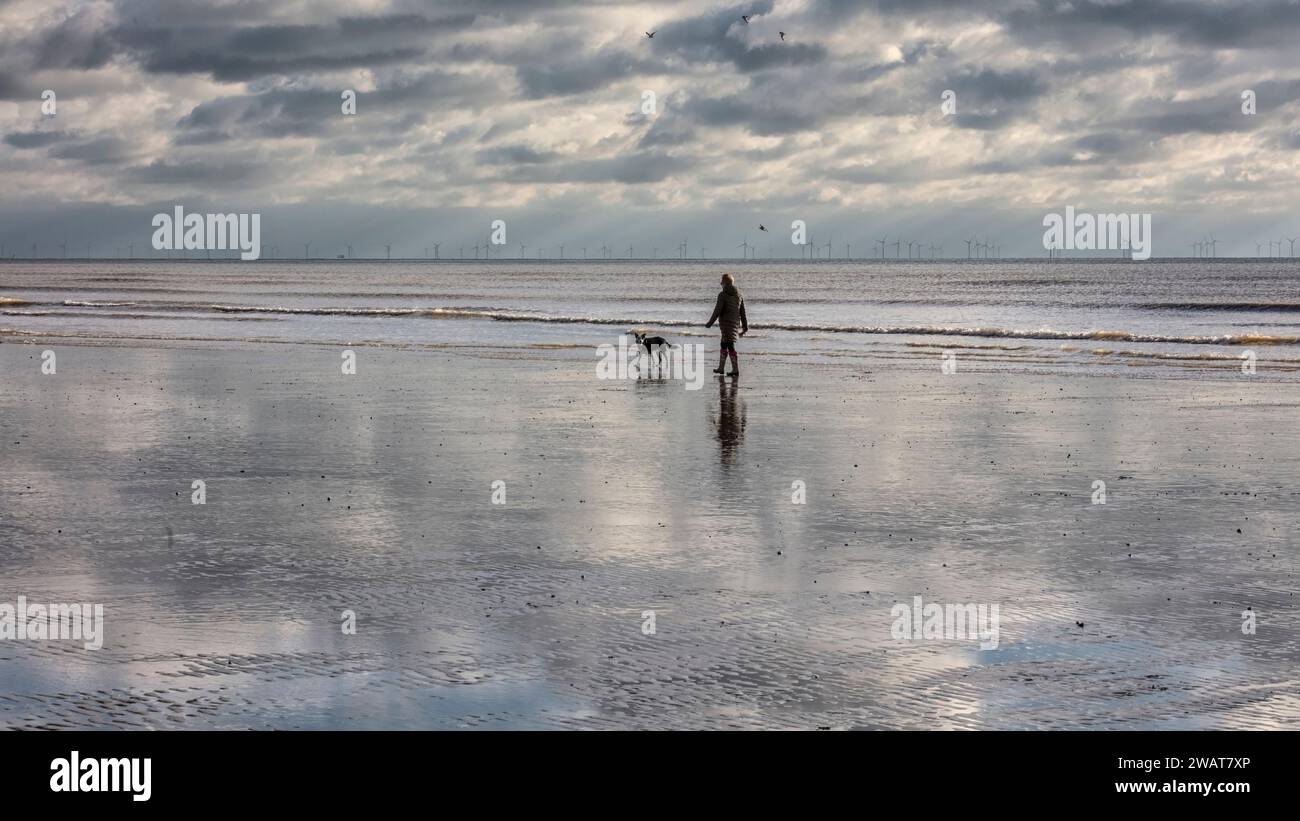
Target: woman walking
(729, 313)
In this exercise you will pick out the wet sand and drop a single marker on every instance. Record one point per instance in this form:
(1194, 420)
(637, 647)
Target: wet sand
(373, 493)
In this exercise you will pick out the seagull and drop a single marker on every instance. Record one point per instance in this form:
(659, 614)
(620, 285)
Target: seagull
(745, 17)
(762, 227)
(782, 33)
(651, 34)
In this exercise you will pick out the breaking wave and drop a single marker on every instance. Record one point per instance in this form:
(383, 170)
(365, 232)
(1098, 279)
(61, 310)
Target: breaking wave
(500, 315)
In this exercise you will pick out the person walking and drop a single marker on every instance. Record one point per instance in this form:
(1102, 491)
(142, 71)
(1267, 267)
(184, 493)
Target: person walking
(729, 313)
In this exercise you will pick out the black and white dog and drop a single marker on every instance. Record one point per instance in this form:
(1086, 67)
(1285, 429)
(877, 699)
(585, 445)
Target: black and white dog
(655, 346)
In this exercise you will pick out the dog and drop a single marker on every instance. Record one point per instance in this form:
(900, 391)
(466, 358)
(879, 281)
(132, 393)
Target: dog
(654, 345)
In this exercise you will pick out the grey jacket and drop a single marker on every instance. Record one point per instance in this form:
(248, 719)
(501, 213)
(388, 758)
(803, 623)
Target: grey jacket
(729, 313)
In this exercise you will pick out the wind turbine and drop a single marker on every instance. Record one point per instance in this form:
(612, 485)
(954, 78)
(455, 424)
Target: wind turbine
(1292, 241)
(629, 252)
(435, 250)
(744, 247)
(968, 242)
(882, 246)
(897, 245)
(561, 250)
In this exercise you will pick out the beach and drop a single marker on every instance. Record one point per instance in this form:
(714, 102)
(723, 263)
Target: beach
(523, 545)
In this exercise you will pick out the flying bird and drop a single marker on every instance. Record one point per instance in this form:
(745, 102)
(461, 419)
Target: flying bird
(782, 33)
(762, 227)
(651, 34)
(745, 17)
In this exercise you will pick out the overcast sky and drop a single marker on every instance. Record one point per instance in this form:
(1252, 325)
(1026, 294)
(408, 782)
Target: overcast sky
(532, 112)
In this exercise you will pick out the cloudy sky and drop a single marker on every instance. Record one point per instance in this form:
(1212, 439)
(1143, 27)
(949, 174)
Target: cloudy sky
(533, 112)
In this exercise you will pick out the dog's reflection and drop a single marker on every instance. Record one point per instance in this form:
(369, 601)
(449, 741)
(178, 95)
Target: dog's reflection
(730, 419)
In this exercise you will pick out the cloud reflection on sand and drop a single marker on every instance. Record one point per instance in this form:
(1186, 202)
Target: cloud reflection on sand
(623, 497)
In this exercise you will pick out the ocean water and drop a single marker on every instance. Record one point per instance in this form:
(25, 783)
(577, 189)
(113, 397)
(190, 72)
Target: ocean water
(1173, 316)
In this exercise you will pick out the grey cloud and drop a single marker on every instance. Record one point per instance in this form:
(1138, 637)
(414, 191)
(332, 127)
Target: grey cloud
(34, 139)
(514, 155)
(219, 173)
(233, 53)
(18, 88)
(577, 75)
(96, 151)
(77, 42)
(765, 116)
(642, 167)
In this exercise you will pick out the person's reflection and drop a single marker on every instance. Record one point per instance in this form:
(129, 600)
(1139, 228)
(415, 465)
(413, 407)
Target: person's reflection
(730, 420)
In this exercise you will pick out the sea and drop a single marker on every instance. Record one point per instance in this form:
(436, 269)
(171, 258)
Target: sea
(1161, 316)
